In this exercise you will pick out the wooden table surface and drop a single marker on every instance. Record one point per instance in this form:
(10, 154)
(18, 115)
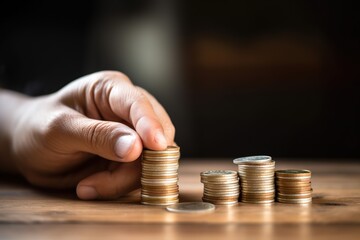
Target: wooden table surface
(29, 213)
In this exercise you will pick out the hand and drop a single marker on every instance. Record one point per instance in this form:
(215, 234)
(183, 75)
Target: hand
(67, 138)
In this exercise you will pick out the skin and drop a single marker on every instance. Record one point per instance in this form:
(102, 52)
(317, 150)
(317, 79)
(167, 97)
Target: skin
(89, 134)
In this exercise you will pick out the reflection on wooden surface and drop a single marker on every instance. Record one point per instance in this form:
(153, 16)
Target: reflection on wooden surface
(334, 213)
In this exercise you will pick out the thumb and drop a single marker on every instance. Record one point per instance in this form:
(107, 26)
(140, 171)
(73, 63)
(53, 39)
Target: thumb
(110, 140)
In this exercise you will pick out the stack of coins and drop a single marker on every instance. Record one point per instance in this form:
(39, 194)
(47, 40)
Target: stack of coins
(256, 179)
(220, 186)
(293, 186)
(159, 179)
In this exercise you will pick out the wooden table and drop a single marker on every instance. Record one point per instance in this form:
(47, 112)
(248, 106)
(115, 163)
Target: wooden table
(28, 213)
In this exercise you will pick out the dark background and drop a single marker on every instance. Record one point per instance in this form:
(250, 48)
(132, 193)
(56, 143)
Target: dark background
(237, 77)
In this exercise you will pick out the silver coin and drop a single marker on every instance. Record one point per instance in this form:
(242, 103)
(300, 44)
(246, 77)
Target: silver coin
(191, 207)
(219, 173)
(252, 159)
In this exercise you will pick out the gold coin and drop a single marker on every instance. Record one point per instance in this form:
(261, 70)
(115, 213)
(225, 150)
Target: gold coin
(156, 203)
(258, 201)
(296, 201)
(293, 173)
(216, 202)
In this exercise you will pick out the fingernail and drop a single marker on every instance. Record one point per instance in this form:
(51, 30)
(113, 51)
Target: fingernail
(124, 145)
(87, 193)
(160, 139)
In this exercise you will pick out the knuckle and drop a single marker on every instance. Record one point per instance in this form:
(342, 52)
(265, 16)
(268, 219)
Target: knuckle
(142, 90)
(54, 125)
(139, 93)
(99, 134)
(143, 94)
(103, 89)
(113, 75)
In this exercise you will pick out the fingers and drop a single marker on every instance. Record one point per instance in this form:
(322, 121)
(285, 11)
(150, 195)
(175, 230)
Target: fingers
(110, 184)
(111, 140)
(111, 96)
(130, 104)
(163, 117)
(107, 95)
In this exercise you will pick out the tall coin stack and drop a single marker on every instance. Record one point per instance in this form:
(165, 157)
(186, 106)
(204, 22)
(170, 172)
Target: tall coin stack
(293, 186)
(159, 179)
(220, 186)
(256, 179)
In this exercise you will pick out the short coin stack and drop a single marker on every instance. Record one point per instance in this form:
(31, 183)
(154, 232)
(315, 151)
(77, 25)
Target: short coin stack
(220, 186)
(293, 186)
(159, 179)
(256, 179)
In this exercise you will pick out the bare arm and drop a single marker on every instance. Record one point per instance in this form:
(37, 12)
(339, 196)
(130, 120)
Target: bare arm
(10, 108)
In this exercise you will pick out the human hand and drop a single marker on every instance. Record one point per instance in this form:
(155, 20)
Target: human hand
(66, 139)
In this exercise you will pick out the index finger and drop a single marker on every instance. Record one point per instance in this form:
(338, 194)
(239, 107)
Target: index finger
(131, 105)
(110, 95)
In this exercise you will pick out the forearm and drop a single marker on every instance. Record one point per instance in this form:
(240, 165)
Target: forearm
(11, 104)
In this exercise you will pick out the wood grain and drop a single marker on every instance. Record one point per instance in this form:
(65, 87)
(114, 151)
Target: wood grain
(29, 213)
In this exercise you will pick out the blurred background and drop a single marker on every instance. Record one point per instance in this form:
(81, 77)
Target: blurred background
(237, 77)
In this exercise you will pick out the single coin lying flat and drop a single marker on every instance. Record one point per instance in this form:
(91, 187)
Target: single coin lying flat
(253, 159)
(191, 207)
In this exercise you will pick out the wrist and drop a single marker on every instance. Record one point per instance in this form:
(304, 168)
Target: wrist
(11, 105)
